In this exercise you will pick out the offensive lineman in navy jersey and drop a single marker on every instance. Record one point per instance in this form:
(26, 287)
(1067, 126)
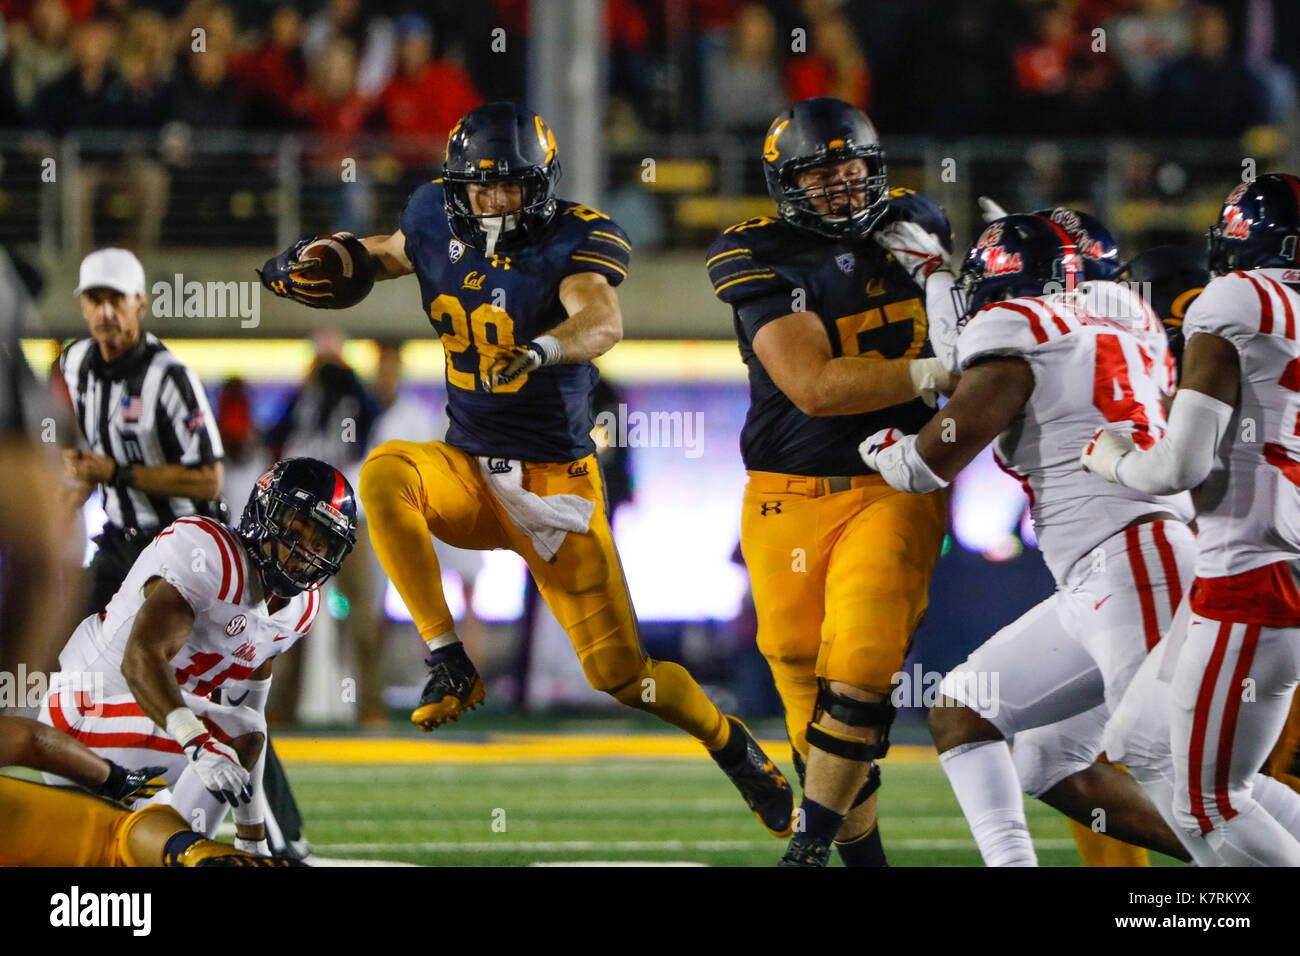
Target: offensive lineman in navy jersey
(520, 286)
(832, 326)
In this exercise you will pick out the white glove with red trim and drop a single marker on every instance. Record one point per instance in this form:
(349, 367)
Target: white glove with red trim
(1102, 454)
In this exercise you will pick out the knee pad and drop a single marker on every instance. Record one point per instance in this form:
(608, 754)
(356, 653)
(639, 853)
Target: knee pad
(869, 786)
(618, 671)
(1044, 760)
(856, 713)
(384, 472)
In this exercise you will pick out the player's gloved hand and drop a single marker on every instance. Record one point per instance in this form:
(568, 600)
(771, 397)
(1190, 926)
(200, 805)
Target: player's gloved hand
(519, 360)
(125, 786)
(930, 377)
(916, 249)
(878, 442)
(1102, 454)
(990, 210)
(216, 763)
(283, 275)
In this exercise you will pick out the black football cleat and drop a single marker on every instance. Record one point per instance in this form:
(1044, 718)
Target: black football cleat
(806, 852)
(763, 786)
(453, 688)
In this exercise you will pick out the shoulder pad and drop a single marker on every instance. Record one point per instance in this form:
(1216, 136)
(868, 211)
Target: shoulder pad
(202, 559)
(1013, 327)
(743, 261)
(592, 242)
(425, 217)
(1232, 307)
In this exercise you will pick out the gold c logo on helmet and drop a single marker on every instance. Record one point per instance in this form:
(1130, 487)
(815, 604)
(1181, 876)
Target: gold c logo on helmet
(546, 138)
(770, 152)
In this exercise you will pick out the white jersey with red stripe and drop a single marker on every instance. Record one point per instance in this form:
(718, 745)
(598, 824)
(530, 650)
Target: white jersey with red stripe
(1100, 358)
(1249, 506)
(233, 632)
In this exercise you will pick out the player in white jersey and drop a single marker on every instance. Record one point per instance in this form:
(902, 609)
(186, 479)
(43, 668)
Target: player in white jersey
(180, 660)
(1042, 371)
(1233, 661)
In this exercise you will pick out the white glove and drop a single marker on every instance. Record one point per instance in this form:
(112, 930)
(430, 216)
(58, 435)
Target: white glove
(260, 847)
(216, 763)
(1101, 455)
(916, 249)
(930, 377)
(990, 210)
(878, 442)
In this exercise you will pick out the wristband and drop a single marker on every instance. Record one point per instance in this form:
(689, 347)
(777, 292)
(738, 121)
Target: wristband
(547, 347)
(123, 475)
(184, 726)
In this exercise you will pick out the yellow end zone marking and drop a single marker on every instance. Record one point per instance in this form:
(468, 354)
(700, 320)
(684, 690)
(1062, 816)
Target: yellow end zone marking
(527, 748)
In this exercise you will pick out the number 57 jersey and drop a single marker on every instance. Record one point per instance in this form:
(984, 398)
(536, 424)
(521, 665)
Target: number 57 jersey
(481, 306)
(1100, 358)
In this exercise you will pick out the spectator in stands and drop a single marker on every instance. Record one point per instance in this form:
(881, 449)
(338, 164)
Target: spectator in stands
(147, 61)
(246, 455)
(90, 93)
(1146, 38)
(425, 98)
(39, 51)
(272, 73)
(373, 40)
(332, 107)
(206, 95)
(834, 64)
(1209, 93)
(743, 85)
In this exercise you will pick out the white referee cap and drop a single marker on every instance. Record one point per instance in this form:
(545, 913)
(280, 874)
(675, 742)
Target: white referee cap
(112, 268)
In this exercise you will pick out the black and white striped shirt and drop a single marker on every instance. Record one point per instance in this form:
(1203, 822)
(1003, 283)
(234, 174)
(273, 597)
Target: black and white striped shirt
(144, 408)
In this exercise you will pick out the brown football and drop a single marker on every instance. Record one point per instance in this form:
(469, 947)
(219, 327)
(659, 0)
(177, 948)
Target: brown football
(344, 261)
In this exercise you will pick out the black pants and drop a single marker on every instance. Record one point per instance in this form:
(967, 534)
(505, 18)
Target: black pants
(118, 551)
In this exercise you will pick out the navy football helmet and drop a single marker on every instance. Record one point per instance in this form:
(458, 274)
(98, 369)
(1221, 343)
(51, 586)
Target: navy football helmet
(1169, 278)
(496, 142)
(1098, 251)
(1258, 227)
(308, 507)
(1017, 255)
(907, 205)
(819, 132)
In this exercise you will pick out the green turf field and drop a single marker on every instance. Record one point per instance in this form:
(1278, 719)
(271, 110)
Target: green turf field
(608, 810)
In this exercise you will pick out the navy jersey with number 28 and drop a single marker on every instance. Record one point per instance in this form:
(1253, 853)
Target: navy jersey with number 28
(480, 305)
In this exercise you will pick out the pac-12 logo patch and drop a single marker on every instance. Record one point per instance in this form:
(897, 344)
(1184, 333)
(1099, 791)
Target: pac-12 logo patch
(236, 625)
(455, 249)
(846, 262)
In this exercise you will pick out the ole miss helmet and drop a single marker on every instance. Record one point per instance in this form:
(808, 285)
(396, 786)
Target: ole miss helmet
(307, 507)
(1098, 251)
(500, 141)
(819, 132)
(1015, 256)
(1258, 227)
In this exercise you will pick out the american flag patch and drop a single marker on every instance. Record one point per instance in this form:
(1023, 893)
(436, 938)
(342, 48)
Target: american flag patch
(132, 408)
(194, 421)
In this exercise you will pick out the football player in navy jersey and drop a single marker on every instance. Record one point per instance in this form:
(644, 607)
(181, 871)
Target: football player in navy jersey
(520, 287)
(832, 326)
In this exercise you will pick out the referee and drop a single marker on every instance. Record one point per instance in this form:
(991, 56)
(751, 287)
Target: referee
(151, 441)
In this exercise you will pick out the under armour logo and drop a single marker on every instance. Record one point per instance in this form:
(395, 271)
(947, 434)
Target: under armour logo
(771, 507)
(499, 466)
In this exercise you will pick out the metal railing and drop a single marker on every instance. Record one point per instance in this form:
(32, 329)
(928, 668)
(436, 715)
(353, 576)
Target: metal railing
(190, 188)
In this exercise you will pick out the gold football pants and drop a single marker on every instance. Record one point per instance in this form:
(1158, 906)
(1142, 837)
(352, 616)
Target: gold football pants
(412, 489)
(840, 580)
(54, 826)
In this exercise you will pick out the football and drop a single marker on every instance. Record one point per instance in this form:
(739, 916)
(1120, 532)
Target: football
(344, 261)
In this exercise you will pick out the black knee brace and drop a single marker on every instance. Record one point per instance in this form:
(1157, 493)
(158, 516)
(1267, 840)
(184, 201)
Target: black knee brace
(857, 713)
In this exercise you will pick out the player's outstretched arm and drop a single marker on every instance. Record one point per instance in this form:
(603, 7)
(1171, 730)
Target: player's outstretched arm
(388, 253)
(796, 352)
(988, 398)
(1198, 419)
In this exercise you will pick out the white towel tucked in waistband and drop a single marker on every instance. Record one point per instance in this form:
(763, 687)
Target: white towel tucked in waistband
(545, 520)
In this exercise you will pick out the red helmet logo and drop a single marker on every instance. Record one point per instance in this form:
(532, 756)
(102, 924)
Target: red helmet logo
(1235, 223)
(997, 261)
